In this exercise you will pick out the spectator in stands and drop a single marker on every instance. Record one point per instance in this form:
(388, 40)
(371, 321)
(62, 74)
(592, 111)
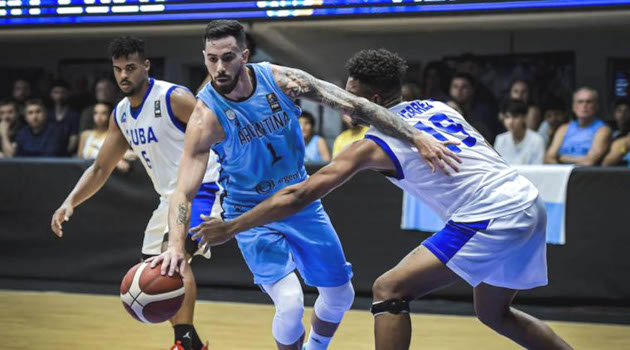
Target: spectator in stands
(521, 90)
(619, 153)
(554, 115)
(92, 140)
(21, 92)
(316, 149)
(353, 133)
(9, 125)
(104, 92)
(39, 138)
(64, 117)
(410, 92)
(519, 145)
(585, 140)
(621, 114)
(479, 114)
(434, 82)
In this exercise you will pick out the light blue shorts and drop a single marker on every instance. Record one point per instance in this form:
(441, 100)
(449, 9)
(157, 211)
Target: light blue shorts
(306, 241)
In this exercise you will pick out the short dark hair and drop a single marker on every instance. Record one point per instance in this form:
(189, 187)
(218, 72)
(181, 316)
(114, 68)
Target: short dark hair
(381, 70)
(514, 108)
(466, 76)
(621, 101)
(60, 83)
(308, 116)
(7, 102)
(553, 104)
(35, 101)
(221, 28)
(124, 46)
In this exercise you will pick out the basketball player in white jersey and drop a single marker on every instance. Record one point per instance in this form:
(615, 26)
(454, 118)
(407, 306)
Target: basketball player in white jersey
(152, 120)
(495, 235)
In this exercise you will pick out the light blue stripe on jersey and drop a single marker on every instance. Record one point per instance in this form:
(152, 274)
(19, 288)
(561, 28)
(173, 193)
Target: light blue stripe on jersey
(263, 149)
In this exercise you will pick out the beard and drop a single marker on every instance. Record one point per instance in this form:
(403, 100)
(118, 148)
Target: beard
(226, 88)
(132, 89)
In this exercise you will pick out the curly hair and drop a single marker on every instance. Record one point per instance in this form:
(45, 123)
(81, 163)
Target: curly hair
(124, 46)
(381, 70)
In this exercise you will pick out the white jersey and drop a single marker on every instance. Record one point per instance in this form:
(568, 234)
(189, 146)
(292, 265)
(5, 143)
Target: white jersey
(157, 136)
(484, 188)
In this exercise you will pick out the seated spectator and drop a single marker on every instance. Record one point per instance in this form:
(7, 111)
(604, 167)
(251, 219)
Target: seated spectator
(316, 150)
(410, 92)
(621, 115)
(619, 153)
(520, 90)
(39, 138)
(434, 82)
(585, 140)
(519, 145)
(92, 140)
(104, 92)
(349, 136)
(482, 116)
(66, 119)
(9, 125)
(21, 93)
(554, 115)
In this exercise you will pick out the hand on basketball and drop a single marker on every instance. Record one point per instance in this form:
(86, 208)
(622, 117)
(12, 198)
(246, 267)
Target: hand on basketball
(62, 214)
(173, 260)
(212, 231)
(436, 153)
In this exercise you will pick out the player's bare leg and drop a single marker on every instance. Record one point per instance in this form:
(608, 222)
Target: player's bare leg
(186, 312)
(417, 274)
(492, 305)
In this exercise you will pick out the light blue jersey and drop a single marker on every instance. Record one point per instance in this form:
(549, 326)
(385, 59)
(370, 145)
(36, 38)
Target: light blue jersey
(263, 152)
(579, 140)
(263, 149)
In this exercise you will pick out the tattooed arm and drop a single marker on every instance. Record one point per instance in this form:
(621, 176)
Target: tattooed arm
(203, 131)
(296, 83)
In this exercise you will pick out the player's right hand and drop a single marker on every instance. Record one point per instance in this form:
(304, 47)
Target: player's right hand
(173, 260)
(61, 215)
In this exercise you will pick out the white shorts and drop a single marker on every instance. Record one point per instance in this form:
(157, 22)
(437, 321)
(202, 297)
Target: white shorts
(508, 251)
(205, 202)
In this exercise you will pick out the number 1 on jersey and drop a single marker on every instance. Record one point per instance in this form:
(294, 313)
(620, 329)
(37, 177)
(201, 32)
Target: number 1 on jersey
(276, 157)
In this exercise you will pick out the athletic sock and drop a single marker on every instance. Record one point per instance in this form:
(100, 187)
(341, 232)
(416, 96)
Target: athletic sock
(196, 341)
(184, 333)
(317, 342)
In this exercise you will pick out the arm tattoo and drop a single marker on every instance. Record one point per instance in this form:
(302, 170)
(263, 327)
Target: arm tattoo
(296, 83)
(183, 217)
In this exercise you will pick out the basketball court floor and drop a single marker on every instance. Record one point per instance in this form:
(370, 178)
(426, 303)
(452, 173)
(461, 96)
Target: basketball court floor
(38, 320)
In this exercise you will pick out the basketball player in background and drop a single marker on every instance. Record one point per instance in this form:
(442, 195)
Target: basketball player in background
(247, 115)
(151, 119)
(495, 235)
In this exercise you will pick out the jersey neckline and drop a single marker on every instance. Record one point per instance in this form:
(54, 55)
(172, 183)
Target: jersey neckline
(139, 108)
(254, 90)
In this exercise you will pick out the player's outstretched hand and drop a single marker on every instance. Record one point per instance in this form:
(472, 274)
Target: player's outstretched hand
(436, 153)
(212, 231)
(61, 215)
(173, 260)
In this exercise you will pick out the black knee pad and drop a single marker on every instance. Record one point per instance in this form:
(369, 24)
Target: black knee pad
(392, 306)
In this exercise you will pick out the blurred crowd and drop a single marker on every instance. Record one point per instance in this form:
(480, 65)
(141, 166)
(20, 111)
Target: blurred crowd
(547, 129)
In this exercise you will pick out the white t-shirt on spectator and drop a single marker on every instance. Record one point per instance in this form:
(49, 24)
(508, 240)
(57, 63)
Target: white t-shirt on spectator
(531, 150)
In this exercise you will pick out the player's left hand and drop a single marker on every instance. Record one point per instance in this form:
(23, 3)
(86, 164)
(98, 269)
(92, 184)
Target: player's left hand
(212, 231)
(436, 153)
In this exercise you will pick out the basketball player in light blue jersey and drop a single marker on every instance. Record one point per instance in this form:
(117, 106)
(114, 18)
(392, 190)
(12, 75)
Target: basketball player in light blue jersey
(248, 117)
(494, 238)
(151, 119)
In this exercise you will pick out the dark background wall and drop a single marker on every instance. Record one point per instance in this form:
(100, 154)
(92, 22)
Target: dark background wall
(103, 238)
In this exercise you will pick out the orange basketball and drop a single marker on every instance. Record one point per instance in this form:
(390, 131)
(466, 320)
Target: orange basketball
(150, 297)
